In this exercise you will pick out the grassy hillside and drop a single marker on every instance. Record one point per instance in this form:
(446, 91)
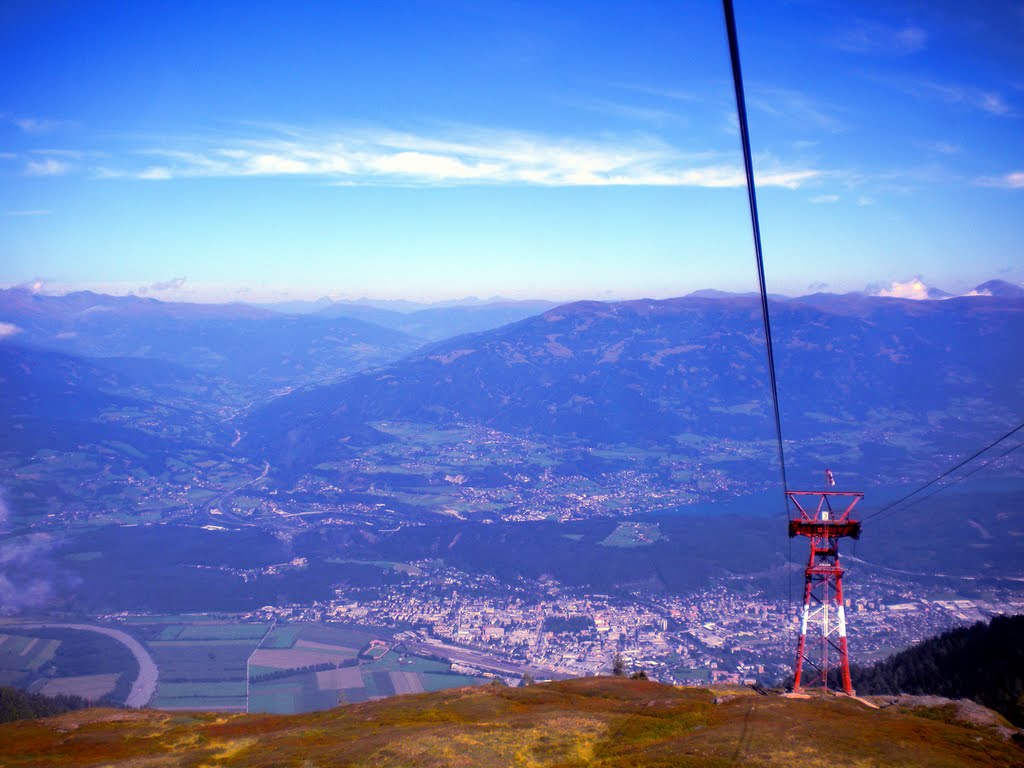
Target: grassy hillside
(586, 722)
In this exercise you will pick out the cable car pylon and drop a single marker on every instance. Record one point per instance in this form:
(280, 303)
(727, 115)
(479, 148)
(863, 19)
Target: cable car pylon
(823, 615)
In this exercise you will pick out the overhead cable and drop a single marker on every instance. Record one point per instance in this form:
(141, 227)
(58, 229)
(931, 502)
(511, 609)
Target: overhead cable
(950, 471)
(748, 165)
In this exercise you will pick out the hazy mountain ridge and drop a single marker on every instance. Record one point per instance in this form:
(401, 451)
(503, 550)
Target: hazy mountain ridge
(668, 395)
(646, 372)
(248, 344)
(441, 322)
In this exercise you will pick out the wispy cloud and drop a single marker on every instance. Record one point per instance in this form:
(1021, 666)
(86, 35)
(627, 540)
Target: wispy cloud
(47, 166)
(1013, 180)
(877, 39)
(940, 147)
(969, 96)
(155, 173)
(825, 199)
(37, 126)
(955, 94)
(464, 156)
(30, 579)
(34, 212)
(634, 112)
(168, 285)
(795, 107)
(672, 94)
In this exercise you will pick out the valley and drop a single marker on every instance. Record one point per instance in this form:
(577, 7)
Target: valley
(458, 500)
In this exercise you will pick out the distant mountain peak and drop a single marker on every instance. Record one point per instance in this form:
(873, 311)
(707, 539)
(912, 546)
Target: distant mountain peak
(1000, 289)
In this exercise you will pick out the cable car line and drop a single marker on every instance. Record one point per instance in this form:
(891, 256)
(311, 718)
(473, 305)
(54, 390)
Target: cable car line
(748, 166)
(957, 480)
(948, 472)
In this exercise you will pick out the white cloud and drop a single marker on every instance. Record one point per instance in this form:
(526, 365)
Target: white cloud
(48, 166)
(1012, 180)
(912, 289)
(274, 165)
(8, 329)
(155, 173)
(458, 156)
(429, 166)
(825, 199)
(168, 285)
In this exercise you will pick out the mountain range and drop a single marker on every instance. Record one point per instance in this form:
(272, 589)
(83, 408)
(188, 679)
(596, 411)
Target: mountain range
(253, 347)
(854, 373)
(882, 388)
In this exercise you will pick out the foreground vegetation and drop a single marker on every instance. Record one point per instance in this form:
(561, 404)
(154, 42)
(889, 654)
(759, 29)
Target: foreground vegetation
(586, 722)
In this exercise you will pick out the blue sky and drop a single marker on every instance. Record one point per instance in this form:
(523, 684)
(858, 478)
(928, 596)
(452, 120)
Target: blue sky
(431, 150)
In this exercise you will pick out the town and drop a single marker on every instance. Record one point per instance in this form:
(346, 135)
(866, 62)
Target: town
(718, 634)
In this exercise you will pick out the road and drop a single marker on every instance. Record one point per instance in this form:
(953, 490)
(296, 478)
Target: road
(218, 501)
(144, 687)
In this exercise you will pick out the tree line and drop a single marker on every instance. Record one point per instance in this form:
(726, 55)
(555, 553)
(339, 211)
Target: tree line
(19, 705)
(983, 662)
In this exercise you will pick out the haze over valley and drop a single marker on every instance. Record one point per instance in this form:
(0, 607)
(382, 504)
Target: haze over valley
(609, 465)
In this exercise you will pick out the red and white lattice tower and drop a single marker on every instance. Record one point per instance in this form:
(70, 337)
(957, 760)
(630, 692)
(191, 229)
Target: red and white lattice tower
(823, 615)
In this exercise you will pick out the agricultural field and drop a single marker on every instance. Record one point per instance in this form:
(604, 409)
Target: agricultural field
(55, 661)
(202, 663)
(218, 663)
(90, 687)
(632, 534)
(327, 666)
(23, 655)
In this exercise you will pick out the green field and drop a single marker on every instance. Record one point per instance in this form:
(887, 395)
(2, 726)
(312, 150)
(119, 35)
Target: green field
(210, 662)
(223, 632)
(23, 655)
(176, 618)
(632, 534)
(197, 695)
(318, 670)
(201, 661)
(439, 682)
(382, 564)
(281, 637)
